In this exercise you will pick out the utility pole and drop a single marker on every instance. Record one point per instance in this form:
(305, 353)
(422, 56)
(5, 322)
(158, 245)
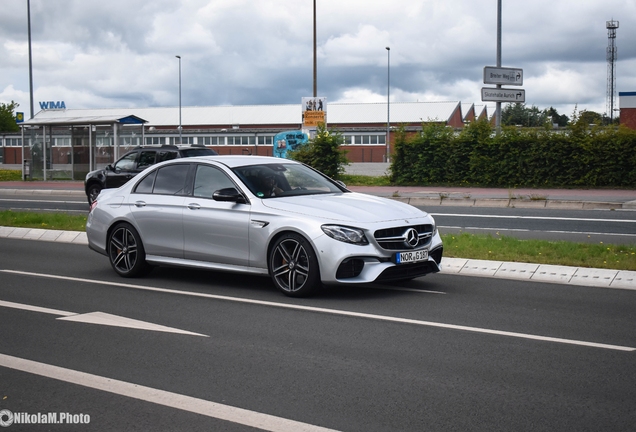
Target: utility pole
(315, 56)
(498, 104)
(612, 56)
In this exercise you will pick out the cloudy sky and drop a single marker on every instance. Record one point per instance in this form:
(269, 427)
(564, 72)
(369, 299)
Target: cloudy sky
(121, 53)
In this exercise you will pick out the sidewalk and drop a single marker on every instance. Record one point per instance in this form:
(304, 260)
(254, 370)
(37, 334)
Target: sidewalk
(424, 196)
(493, 197)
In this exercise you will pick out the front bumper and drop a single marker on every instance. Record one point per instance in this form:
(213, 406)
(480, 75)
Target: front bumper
(350, 264)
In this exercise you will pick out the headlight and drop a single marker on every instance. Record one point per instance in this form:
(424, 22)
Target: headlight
(345, 234)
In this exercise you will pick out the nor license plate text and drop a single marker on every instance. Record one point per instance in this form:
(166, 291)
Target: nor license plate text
(411, 257)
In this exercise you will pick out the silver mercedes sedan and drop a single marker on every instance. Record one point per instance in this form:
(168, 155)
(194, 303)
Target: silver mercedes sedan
(264, 216)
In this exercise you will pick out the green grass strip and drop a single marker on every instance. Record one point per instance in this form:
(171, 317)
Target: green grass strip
(504, 248)
(52, 221)
(464, 245)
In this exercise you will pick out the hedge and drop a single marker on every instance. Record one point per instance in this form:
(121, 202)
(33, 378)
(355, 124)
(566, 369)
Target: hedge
(578, 156)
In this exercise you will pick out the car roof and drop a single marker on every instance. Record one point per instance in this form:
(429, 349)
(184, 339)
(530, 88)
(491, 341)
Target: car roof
(240, 160)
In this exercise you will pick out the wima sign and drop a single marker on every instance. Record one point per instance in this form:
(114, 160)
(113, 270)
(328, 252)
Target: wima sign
(58, 105)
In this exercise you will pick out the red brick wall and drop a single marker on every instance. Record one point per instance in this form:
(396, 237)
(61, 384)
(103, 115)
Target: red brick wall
(628, 117)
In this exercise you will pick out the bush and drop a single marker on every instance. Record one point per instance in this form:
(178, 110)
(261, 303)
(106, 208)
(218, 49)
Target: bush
(603, 156)
(323, 153)
(10, 175)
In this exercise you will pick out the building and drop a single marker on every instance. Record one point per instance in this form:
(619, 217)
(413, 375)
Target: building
(80, 140)
(627, 106)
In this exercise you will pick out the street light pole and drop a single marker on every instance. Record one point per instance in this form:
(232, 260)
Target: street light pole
(388, 106)
(30, 56)
(180, 139)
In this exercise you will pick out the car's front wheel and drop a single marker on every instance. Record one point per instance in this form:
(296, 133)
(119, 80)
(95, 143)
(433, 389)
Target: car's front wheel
(126, 251)
(293, 266)
(93, 191)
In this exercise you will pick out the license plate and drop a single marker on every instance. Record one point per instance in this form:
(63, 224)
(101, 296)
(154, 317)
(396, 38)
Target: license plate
(411, 257)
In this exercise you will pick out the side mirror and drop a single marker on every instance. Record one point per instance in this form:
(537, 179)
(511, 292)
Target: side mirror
(109, 167)
(229, 195)
(341, 183)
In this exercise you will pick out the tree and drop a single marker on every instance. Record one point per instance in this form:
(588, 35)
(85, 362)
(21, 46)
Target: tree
(7, 117)
(519, 114)
(590, 117)
(323, 153)
(558, 119)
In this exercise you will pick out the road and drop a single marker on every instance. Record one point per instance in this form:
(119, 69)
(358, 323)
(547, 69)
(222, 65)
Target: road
(444, 352)
(607, 226)
(593, 226)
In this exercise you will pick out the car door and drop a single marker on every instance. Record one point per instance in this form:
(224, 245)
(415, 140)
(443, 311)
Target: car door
(123, 170)
(157, 204)
(215, 231)
(146, 159)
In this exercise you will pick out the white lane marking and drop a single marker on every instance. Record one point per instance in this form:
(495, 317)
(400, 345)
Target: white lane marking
(100, 318)
(35, 308)
(44, 201)
(335, 312)
(537, 231)
(406, 289)
(532, 217)
(160, 397)
(47, 210)
(103, 318)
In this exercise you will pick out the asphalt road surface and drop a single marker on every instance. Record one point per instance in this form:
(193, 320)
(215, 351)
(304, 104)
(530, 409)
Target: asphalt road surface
(607, 226)
(195, 350)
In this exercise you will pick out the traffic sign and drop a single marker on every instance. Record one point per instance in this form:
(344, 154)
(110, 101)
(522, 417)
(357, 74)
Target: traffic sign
(503, 76)
(503, 95)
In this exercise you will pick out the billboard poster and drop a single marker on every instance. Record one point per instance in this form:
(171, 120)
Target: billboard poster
(314, 111)
(288, 140)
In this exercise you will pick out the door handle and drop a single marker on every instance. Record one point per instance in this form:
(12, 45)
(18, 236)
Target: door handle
(194, 206)
(140, 204)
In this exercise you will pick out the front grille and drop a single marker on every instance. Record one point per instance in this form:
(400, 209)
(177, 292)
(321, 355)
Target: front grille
(395, 238)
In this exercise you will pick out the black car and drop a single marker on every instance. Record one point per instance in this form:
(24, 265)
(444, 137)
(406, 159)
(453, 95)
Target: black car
(134, 162)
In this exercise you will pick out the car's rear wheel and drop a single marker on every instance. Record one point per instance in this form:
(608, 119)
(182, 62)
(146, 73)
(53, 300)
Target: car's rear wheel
(126, 251)
(93, 191)
(293, 266)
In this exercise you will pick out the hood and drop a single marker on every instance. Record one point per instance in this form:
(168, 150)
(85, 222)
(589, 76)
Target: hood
(346, 207)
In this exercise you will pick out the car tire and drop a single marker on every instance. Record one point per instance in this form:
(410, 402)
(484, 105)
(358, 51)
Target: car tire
(293, 266)
(92, 193)
(126, 251)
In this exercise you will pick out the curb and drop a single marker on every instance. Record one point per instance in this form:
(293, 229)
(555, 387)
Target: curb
(602, 278)
(515, 203)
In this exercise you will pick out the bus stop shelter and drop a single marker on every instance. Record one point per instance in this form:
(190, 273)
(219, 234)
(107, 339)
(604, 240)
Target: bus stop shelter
(70, 147)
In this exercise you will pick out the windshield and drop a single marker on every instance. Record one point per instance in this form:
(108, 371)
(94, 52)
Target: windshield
(276, 180)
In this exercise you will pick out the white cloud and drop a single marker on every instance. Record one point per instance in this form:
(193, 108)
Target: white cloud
(122, 53)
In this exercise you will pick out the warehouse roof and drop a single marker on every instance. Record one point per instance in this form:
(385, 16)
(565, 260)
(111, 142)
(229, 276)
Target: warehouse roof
(337, 113)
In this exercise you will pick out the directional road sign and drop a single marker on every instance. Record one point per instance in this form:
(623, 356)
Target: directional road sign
(503, 76)
(503, 95)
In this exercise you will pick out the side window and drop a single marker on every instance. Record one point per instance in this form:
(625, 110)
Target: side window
(171, 179)
(208, 180)
(146, 158)
(145, 186)
(126, 163)
(166, 155)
